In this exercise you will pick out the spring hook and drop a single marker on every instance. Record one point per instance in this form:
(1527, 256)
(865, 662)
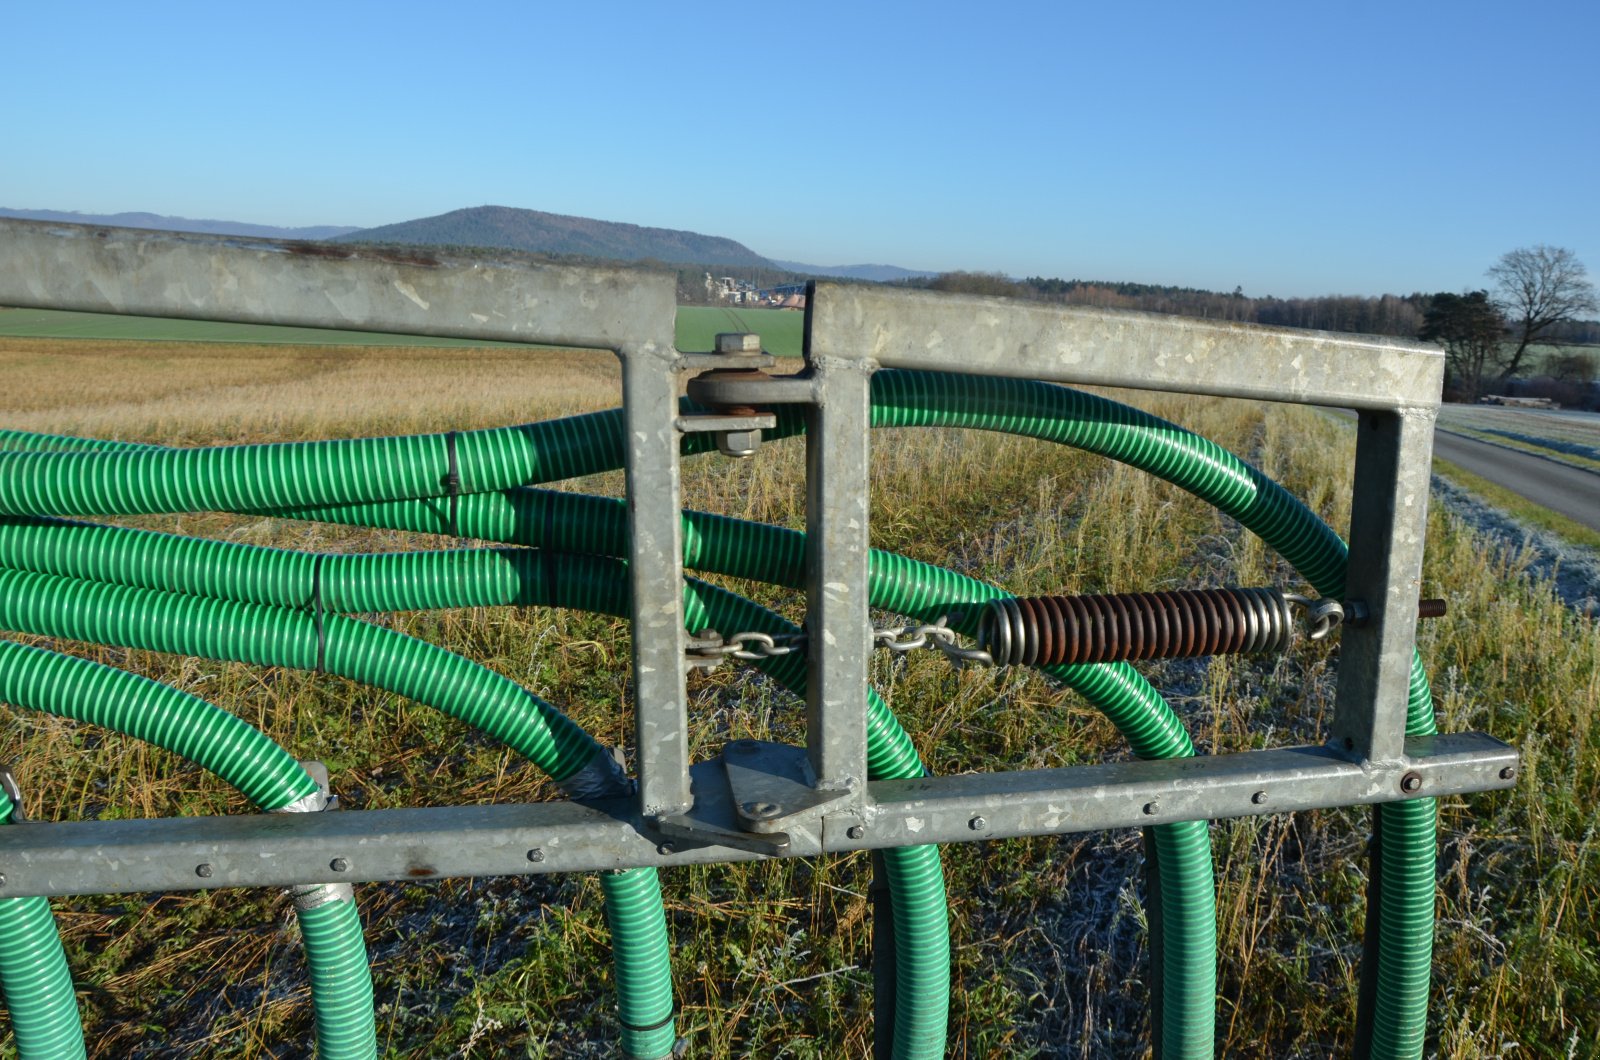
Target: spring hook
(1323, 616)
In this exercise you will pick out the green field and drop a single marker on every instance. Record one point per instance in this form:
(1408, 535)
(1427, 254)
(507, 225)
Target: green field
(697, 329)
(781, 330)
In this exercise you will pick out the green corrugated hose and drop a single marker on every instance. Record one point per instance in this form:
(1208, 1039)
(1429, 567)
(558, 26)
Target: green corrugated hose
(34, 978)
(219, 629)
(401, 581)
(1404, 872)
(69, 687)
(405, 581)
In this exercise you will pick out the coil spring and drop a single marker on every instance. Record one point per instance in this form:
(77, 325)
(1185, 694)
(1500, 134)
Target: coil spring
(1050, 630)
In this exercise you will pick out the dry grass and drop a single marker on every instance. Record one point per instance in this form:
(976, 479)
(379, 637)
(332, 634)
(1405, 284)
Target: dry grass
(183, 393)
(773, 959)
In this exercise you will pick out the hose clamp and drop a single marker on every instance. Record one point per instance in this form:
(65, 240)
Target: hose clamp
(13, 791)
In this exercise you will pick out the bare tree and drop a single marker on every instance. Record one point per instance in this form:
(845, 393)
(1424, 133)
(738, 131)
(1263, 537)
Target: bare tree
(1538, 288)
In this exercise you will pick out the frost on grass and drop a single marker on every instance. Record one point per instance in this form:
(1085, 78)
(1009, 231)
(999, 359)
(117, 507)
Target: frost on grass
(1574, 571)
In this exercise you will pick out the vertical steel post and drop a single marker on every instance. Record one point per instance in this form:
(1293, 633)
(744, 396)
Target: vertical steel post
(1388, 520)
(661, 730)
(838, 626)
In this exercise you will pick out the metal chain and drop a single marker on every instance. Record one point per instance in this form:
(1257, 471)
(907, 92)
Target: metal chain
(710, 648)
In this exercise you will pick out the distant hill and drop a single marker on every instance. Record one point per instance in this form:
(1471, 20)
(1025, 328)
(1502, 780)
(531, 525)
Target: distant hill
(162, 223)
(551, 233)
(509, 228)
(875, 273)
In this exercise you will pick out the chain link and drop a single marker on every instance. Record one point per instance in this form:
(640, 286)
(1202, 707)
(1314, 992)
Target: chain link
(709, 648)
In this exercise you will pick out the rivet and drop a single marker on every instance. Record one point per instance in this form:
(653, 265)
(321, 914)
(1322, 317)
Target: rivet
(1259, 798)
(1411, 782)
(339, 865)
(203, 871)
(977, 824)
(536, 855)
(855, 831)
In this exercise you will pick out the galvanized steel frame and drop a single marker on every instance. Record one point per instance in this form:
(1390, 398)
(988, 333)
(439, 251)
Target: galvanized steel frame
(687, 813)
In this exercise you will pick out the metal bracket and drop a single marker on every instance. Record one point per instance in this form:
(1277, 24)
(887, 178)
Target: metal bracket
(765, 788)
(772, 783)
(761, 421)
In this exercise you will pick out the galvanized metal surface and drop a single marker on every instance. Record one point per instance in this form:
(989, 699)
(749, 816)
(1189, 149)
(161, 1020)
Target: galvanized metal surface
(838, 625)
(655, 572)
(285, 849)
(996, 336)
(322, 285)
(687, 814)
(1388, 522)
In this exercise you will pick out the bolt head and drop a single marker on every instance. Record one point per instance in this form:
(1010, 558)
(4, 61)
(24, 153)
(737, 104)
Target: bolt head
(666, 848)
(1150, 808)
(977, 824)
(339, 865)
(855, 831)
(203, 871)
(738, 342)
(1411, 782)
(1259, 798)
(762, 809)
(536, 855)
(1508, 773)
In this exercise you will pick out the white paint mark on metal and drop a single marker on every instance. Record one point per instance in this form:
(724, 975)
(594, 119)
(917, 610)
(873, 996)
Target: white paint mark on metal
(410, 292)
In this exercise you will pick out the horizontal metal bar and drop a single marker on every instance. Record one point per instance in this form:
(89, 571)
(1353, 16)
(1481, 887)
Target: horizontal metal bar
(1131, 794)
(997, 336)
(330, 285)
(282, 849)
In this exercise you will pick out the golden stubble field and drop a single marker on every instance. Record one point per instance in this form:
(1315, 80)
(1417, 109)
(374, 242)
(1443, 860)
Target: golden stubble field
(774, 959)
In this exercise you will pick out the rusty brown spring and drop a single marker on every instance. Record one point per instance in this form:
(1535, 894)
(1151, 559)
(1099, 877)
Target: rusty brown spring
(1049, 630)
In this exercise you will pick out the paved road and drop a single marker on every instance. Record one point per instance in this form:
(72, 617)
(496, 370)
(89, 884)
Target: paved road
(1566, 490)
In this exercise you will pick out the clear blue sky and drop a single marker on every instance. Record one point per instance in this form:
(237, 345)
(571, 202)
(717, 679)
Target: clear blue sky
(1290, 148)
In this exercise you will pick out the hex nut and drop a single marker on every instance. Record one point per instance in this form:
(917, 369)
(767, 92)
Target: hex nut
(738, 444)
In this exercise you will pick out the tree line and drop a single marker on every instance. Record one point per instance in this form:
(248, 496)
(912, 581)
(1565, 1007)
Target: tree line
(1539, 296)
